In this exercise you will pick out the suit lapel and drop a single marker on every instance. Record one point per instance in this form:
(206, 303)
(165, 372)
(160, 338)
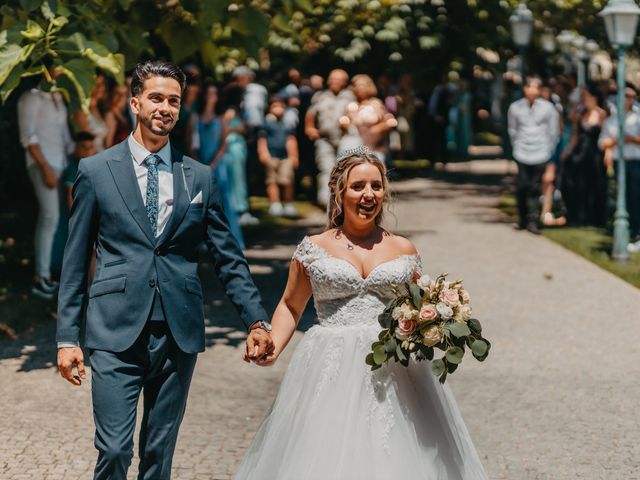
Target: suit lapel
(124, 176)
(182, 191)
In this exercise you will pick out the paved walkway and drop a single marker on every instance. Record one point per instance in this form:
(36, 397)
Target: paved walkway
(557, 398)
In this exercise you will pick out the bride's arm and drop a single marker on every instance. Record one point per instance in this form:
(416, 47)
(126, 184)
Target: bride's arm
(289, 310)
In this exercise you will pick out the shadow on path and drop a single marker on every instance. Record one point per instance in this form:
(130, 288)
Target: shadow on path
(269, 255)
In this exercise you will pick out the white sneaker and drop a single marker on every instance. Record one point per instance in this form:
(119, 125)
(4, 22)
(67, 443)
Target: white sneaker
(634, 247)
(290, 211)
(276, 210)
(247, 219)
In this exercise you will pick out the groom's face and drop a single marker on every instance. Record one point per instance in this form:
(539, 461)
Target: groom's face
(158, 105)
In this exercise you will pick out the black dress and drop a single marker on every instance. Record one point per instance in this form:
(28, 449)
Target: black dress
(584, 180)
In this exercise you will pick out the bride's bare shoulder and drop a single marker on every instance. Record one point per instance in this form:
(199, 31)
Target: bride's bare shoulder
(324, 238)
(401, 244)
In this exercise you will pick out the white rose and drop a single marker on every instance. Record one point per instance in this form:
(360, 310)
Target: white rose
(464, 295)
(445, 311)
(396, 314)
(407, 312)
(424, 282)
(464, 313)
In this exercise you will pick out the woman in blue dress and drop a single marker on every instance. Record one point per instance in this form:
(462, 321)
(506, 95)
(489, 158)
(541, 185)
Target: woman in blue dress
(206, 142)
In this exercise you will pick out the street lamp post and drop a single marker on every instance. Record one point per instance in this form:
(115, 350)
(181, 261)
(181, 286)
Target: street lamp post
(579, 43)
(548, 40)
(521, 26)
(621, 22)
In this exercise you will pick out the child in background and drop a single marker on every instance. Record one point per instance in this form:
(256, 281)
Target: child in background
(84, 148)
(278, 152)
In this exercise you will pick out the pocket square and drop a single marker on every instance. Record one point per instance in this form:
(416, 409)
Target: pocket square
(197, 198)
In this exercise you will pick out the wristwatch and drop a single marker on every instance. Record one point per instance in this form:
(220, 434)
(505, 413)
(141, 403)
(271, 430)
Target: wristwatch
(263, 324)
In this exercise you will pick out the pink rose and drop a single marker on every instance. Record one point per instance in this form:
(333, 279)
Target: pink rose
(405, 328)
(450, 297)
(428, 313)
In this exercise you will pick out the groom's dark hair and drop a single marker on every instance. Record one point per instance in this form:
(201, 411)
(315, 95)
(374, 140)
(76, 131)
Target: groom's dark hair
(155, 68)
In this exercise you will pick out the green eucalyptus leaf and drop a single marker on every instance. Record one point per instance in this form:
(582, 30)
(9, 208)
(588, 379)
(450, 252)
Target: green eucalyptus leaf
(416, 295)
(475, 326)
(438, 367)
(390, 345)
(479, 348)
(454, 355)
(459, 329)
(452, 367)
(369, 360)
(379, 355)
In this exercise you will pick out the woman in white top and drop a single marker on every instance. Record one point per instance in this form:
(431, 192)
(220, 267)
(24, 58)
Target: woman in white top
(94, 121)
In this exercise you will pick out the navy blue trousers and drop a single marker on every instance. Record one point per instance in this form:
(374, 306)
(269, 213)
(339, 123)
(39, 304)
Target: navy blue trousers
(155, 366)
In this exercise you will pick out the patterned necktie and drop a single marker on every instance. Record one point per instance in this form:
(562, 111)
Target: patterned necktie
(152, 191)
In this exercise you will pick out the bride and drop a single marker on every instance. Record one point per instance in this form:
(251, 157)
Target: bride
(333, 418)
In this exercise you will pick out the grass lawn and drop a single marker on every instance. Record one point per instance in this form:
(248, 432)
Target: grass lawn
(594, 244)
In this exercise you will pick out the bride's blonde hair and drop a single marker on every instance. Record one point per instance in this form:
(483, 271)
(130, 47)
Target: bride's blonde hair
(338, 183)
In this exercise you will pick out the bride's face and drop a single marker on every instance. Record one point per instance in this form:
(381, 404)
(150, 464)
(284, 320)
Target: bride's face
(364, 195)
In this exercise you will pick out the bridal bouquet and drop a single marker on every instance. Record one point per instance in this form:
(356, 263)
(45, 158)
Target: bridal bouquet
(428, 314)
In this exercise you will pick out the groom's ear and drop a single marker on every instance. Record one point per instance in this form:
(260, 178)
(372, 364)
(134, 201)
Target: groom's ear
(135, 104)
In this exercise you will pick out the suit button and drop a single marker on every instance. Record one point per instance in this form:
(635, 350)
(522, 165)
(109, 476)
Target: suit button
(152, 282)
(158, 252)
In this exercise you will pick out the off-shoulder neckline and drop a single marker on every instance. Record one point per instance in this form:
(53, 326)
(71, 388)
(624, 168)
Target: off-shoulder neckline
(331, 255)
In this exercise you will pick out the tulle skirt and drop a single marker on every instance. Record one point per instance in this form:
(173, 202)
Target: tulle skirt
(334, 419)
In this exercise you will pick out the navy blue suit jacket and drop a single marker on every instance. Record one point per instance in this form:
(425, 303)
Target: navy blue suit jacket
(108, 213)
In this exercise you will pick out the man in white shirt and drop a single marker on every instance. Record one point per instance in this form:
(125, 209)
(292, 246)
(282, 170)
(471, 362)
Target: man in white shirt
(45, 136)
(534, 130)
(608, 141)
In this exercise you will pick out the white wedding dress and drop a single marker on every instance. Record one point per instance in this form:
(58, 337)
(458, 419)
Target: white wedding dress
(335, 419)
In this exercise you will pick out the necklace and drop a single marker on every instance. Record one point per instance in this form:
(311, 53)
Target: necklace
(340, 235)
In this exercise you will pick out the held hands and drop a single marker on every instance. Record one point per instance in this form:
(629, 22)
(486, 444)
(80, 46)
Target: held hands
(68, 357)
(259, 348)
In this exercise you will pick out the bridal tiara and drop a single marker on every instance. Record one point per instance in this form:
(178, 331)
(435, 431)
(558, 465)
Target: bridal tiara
(357, 151)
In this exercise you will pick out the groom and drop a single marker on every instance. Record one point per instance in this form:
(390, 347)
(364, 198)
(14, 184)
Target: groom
(146, 208)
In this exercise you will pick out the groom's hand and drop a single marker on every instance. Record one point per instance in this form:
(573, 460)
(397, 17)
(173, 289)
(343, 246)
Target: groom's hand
(259, 345)
(69, 357)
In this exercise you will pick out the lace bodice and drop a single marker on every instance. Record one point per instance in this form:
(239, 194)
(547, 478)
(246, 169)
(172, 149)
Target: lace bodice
(342, 297)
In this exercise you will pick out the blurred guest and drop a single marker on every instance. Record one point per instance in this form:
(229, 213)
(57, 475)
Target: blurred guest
(609, 140)
(366, 121)
(206, 127)
(206, 142)
(84, 147)
(233, 153)
(118, 126)
(45, 136)
(94, 121)
(404, 107)
(551, 173)
(254, 101)
(278, 152)
(316, 82)
(438, 111)
(181, 134)
(464, 124)
(534, 131)
(584, 188)
(321, 126)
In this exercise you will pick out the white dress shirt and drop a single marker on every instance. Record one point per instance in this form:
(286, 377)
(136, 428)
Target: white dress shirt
(165, 188)
(534, 130)
(631, 127)
(42, 120)
(165, 179)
